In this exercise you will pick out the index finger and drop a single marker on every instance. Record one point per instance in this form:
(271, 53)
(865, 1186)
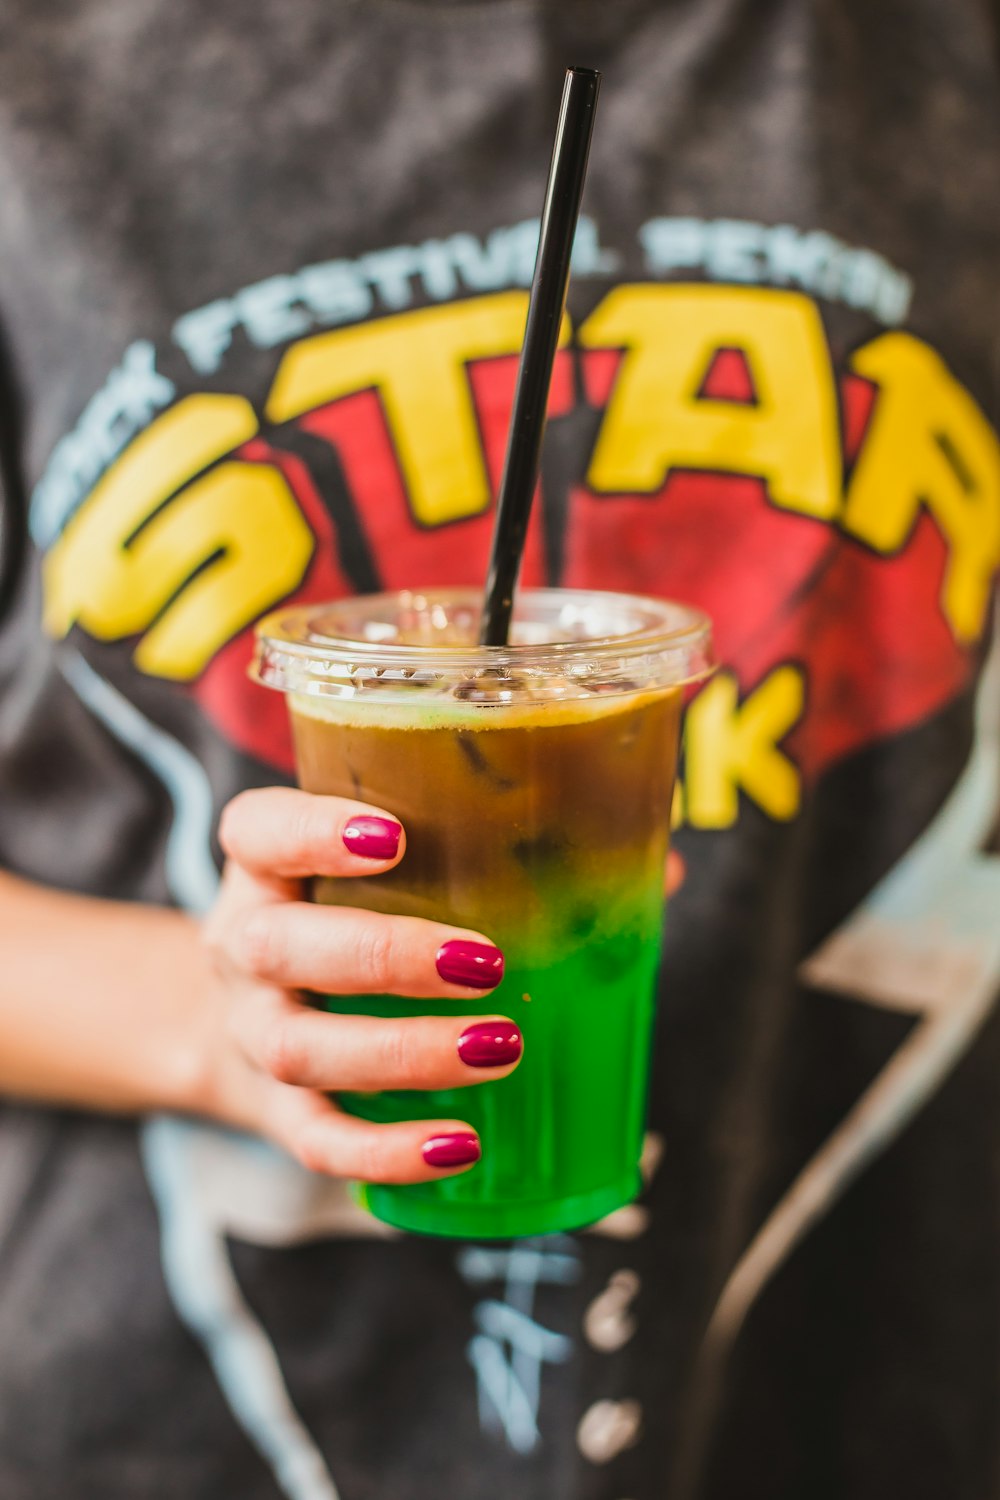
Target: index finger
(279, 831)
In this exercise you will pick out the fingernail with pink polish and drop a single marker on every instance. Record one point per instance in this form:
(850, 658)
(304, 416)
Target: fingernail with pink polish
(490, 1044)
(479, 966)
(458, 1150)
(373, 838)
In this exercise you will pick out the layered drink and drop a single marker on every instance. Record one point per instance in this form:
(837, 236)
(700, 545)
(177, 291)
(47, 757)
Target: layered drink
(535, 783)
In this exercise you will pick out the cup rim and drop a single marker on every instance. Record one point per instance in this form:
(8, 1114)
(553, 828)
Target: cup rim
(292, 656)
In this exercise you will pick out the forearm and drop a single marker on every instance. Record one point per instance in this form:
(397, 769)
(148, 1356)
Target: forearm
(120, 1007)
(102, 1004)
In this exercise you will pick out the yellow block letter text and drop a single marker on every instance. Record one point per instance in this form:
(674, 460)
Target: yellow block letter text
(656, 421)
(416, 361)
(928, 444)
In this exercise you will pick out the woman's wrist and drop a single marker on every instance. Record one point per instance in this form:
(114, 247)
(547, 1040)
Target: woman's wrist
(114, 1014)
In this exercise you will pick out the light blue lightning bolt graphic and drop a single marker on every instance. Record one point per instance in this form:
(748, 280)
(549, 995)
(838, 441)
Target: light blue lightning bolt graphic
(925, 942)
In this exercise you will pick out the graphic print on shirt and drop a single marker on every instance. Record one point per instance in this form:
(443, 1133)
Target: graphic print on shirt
(837, 516)
(840, 527)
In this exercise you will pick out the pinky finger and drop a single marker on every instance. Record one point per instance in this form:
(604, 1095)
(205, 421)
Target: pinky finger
(325, 1139)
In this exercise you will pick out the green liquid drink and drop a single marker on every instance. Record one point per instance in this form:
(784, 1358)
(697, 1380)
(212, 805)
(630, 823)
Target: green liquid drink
(535, 785)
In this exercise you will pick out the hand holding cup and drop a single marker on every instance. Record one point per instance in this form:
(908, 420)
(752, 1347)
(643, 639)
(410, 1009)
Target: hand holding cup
(273, 1060)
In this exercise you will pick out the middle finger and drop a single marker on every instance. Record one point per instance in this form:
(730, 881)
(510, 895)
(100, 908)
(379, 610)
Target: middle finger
(350, 951)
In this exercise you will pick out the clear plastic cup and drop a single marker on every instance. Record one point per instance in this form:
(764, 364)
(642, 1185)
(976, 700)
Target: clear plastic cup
(535, 783)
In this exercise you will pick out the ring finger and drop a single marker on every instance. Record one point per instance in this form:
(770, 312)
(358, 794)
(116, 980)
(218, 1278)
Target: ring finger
(318, 1051)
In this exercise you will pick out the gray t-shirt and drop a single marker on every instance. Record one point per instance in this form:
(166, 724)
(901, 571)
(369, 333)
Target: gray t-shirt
(279, 253)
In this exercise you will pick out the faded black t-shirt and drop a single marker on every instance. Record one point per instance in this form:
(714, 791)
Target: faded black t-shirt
(262, 287)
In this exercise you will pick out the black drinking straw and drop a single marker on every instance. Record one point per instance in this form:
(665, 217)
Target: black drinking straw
(541, 337)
